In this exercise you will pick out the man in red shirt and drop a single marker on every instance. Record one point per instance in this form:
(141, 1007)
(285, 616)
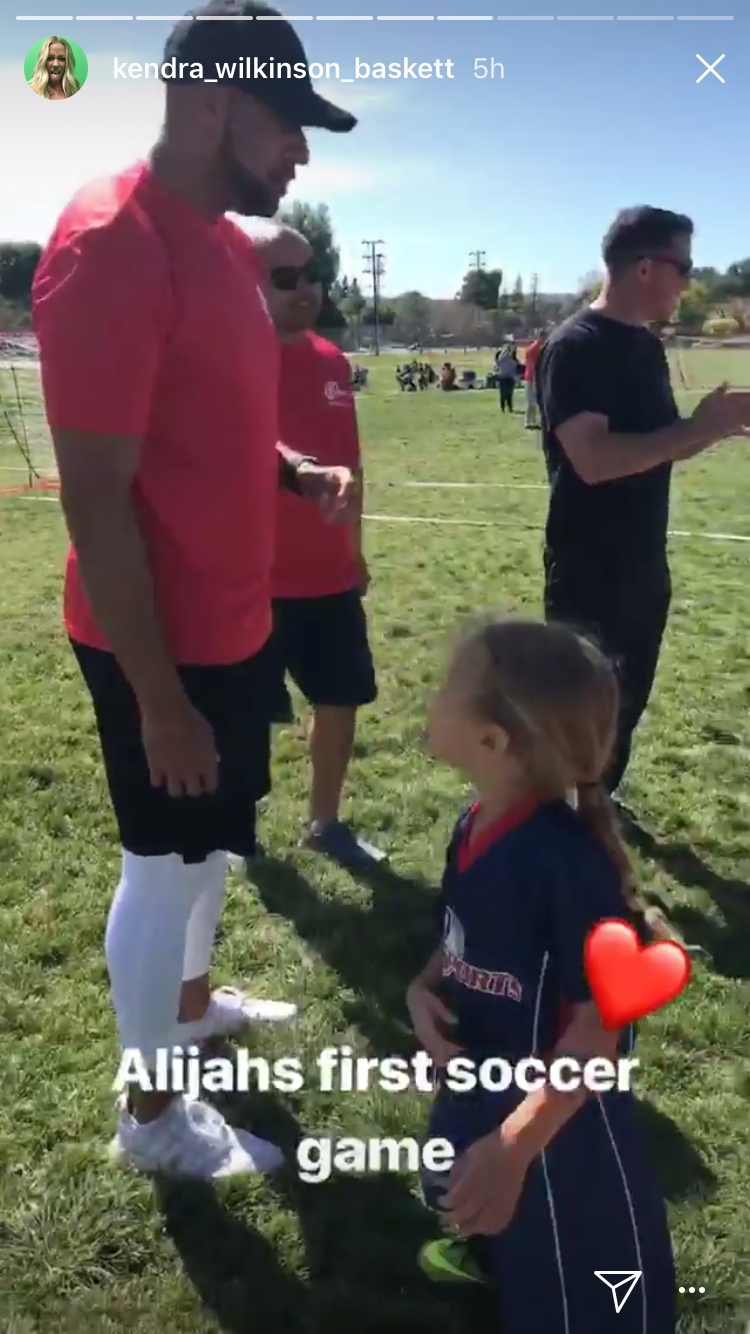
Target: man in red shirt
(320, 572)
(159, 366)
(529, 377)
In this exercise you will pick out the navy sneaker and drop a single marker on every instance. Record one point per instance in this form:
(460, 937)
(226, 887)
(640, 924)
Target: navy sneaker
(338, 841)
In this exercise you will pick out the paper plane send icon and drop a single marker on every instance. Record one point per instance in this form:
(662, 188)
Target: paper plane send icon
(621, 1281)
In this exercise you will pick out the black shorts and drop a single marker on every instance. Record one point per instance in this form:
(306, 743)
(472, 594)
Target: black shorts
(237, 701)
(322, 643)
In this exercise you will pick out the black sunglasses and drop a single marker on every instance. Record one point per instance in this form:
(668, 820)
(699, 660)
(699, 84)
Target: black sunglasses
(287, 277)
(683, 266)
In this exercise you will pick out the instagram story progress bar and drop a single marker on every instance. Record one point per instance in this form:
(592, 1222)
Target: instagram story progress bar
(395, 18)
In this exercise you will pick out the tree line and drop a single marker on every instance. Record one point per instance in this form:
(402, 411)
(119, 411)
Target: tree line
(483, 312)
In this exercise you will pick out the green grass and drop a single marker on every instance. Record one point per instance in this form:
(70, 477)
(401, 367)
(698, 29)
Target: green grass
(85, 1248)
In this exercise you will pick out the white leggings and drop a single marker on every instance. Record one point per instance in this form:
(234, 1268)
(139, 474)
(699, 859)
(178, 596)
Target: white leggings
(160, 932)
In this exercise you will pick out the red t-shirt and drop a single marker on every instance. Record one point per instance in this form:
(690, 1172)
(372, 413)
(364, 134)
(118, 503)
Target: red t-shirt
(151, 323)
(532, 354)
(317, 416)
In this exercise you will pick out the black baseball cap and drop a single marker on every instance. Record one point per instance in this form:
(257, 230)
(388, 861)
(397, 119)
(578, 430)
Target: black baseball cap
(260, 35)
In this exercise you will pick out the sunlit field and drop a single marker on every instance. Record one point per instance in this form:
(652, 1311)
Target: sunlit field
(456, 500)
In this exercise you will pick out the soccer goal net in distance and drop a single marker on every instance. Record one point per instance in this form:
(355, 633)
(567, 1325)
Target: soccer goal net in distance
(27, 459)
(700, 367)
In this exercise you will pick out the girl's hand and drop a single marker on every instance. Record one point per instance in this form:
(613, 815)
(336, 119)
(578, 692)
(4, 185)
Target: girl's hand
(429, 1016)
(486, 1185)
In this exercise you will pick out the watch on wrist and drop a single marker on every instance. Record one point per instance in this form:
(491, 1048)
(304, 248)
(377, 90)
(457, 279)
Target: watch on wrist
(290, 472)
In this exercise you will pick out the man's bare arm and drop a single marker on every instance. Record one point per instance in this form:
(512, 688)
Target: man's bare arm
(600, 456)
(96, 479)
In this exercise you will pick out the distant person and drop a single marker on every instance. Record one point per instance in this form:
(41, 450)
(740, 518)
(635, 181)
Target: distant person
(54, 76)
(529, 377)
(447, 377)
(320, 573)
(506, 373)
(611, 434)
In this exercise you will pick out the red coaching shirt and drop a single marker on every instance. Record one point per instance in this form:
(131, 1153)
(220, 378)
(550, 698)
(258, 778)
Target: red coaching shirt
(151, 323)
(317, 416)
(532, 356)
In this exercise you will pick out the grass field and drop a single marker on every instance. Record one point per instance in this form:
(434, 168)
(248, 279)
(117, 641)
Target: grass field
(83, 1248)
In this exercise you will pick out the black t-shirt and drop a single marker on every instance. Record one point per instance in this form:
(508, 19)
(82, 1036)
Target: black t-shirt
(593, 363)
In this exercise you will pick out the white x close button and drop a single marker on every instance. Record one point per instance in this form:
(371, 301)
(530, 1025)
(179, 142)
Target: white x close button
(710, 69)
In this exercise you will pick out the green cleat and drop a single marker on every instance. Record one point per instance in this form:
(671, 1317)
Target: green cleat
(449, 1260)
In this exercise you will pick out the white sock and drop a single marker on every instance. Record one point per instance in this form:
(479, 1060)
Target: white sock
(204, 919)
(146, 943)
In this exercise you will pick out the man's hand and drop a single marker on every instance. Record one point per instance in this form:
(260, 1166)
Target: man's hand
(722, 413)
(181, 750)
(335, 489)
(430, 1017)
(485, 1187)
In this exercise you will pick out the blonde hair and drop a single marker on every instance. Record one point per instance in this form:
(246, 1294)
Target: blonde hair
(39, 82)
(557, 698)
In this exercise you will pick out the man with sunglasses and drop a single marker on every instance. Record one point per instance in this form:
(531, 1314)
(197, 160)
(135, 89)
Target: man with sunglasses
(160, 363)
(320, 573)
(611, 433)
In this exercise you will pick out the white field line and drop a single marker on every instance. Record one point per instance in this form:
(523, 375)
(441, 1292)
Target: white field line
(452, 523)
(467, 486)
(533, 527)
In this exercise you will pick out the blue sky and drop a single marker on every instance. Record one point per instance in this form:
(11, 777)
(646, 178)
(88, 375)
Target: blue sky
(589, 116)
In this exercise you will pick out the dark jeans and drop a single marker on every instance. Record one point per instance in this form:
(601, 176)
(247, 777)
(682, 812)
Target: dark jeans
(625, 612)
(506, 386)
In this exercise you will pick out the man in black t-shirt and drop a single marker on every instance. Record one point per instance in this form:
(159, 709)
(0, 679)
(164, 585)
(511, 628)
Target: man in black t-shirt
(611, 432)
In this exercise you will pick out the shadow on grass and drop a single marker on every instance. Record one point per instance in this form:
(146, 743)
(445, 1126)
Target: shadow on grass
(680, 1170)
(727, 942)
(360, 1236)
(376, 951)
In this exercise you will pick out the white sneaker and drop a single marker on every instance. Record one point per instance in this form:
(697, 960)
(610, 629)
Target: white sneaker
(190, 1139)
(231, 1011)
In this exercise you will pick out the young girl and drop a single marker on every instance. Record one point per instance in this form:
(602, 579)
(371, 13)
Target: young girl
(546, 1187)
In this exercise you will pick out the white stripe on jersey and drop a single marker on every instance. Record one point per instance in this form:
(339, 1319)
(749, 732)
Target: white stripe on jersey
(548, 1187)
(631, 1211)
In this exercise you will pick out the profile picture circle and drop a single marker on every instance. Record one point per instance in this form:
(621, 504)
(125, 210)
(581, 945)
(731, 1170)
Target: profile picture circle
(56, 68)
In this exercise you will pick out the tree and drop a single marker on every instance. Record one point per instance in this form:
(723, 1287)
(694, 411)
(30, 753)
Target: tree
(481, 287)
(314, 222)
(695, 306)
(340, 289)
(590, 285)
(18, 261)
(353, 301)
(414, 317)
(386, 315)
(331, 323)
(517, 300)
(352, 304)
(738, 279)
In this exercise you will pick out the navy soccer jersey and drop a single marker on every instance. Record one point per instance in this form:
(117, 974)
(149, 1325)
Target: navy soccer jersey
(517, 905)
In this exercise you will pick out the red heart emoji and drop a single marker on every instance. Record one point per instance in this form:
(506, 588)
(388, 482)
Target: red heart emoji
(629, 980)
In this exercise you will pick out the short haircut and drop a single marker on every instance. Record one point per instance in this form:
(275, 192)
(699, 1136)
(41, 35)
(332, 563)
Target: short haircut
(639, 232)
